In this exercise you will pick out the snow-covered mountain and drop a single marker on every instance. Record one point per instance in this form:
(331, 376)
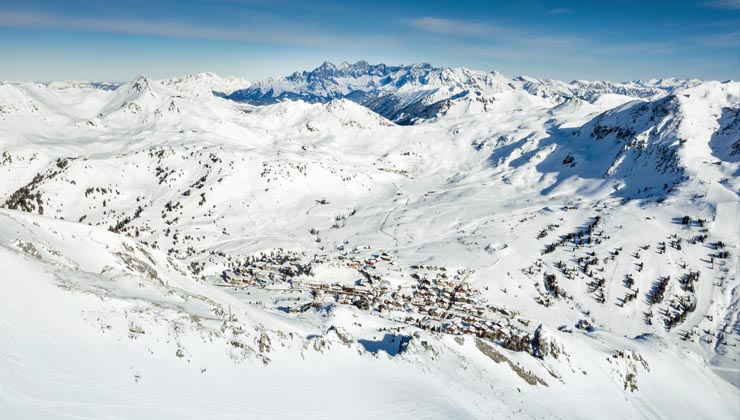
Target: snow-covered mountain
(592, 90)
(399, 93)
(390, 242)
(206, 83)
(409, 94)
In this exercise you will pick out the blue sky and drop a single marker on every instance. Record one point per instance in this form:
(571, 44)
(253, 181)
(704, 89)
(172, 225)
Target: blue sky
(609, 40)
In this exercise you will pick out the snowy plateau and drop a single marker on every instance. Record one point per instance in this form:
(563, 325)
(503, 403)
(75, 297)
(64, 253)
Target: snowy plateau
(370, 241)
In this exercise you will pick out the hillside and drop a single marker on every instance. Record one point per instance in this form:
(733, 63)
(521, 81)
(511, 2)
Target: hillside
(370, 241)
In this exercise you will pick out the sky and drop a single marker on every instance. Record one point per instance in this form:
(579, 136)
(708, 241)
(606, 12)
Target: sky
(109, 40)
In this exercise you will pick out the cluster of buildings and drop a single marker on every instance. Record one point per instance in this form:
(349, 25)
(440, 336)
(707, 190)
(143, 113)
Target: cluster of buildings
(266, 269)
(436, 299)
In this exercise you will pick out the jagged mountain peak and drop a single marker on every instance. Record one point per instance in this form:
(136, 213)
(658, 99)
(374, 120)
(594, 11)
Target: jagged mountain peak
(414, 93)
(139, 84)
(399, 93)
(328, 70)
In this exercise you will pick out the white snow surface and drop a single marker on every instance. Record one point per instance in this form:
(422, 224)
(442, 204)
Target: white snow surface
(146, 229)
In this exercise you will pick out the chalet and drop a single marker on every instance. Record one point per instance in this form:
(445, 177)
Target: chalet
(463, 298)
(434, 311)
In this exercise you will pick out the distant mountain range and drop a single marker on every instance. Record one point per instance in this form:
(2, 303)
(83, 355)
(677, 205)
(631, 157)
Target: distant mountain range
(408, 94)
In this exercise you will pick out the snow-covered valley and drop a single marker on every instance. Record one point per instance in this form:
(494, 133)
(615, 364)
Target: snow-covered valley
(397, 242)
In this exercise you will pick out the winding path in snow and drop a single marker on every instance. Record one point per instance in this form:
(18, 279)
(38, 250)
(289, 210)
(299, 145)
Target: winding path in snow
(391, 210)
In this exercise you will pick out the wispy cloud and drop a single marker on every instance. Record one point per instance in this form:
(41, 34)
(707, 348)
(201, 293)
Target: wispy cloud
(183, 30)
(525, 44)
(723, 4)
(453, 27)
(491, 31)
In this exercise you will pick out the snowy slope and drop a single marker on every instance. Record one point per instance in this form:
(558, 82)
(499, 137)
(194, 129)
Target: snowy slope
(525, 251)
(206, 83)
